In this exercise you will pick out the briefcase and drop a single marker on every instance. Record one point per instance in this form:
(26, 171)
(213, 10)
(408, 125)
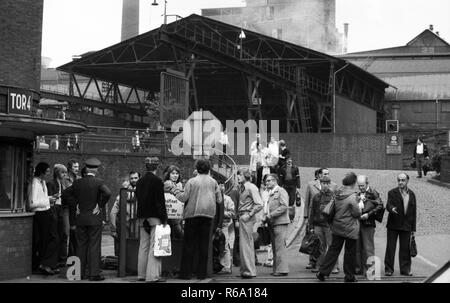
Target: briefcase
(413, 246)
(310, 245)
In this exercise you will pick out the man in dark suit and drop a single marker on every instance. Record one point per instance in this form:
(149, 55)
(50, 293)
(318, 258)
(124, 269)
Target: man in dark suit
(289, 179)
(151, 211)
(88, 196)
(401, 205)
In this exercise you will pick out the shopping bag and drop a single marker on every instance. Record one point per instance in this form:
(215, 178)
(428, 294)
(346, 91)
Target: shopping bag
(310, 245)
(413, 246)
(174, 207)
(163, 247)
(264, 235)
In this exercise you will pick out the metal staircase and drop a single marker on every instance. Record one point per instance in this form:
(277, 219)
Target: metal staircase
(223, 168)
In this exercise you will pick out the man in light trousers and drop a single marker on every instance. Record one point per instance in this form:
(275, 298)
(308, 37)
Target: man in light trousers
(250, 203)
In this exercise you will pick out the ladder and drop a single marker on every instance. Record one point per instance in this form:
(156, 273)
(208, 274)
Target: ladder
(303, 101)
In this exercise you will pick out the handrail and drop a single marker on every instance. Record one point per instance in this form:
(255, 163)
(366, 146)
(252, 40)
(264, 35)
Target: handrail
(233, 167)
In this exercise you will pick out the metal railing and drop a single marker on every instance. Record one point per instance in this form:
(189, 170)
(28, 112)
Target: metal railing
(157, 143)
(224, 166)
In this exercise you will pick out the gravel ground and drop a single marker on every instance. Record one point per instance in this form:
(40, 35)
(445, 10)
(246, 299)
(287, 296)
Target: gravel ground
(433, 201)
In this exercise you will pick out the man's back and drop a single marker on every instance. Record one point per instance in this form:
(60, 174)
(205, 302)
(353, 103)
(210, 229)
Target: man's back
(150, 197)
(89, 192)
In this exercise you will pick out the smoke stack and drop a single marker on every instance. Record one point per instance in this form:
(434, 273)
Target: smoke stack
(431, 27)
(345, 37)
(130, 19)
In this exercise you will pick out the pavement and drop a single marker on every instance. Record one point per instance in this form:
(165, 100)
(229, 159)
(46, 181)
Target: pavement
(432, 237)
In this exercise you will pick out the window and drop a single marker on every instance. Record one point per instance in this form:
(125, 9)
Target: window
(13, 175)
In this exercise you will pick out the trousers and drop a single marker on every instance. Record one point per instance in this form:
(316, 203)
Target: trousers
(196, 243)
(280, 257)
(365, 247)
(333, 254)
(89, 239)
(247, 247)
(149, 266)
(404, 256)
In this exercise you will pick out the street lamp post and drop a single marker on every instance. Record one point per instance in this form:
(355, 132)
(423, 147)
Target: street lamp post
(165, 9)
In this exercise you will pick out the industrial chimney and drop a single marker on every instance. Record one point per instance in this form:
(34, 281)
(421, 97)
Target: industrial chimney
(130, 19)
(345, 38)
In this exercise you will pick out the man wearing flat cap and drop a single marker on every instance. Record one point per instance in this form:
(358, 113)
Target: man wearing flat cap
(317, 222)
(151, 211)
(89, 195)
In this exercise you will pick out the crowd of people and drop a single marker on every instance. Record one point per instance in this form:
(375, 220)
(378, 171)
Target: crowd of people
(68, 217)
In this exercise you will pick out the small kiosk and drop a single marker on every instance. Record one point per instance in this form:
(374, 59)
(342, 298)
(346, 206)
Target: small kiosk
(19, 127)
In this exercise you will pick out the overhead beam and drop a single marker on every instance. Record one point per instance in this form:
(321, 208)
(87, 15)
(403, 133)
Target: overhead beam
(89, 102)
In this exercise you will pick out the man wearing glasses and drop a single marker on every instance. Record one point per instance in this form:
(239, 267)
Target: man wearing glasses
(401, 205)
(277, 216)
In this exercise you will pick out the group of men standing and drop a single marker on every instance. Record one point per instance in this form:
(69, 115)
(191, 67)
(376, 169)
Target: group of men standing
(357, 206)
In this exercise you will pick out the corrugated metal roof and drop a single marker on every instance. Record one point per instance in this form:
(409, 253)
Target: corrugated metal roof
(419, 87)
(385, 67)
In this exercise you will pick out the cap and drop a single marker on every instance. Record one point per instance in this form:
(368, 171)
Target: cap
(325, 179)
(152, 160)
(92, 163)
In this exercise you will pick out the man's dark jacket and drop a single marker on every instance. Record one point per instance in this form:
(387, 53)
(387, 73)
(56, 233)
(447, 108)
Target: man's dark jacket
(372, 206)
(295, 181)
(401, 221)
(86, 192)
(150, 198)
(319, 201)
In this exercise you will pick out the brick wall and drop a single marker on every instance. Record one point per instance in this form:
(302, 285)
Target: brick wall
(344, 151)
(21, 34)
(15, 246)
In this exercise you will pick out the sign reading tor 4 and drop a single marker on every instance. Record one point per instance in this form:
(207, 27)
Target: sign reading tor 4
(19, 101)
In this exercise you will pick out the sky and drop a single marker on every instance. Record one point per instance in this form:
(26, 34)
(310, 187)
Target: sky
(73, 27)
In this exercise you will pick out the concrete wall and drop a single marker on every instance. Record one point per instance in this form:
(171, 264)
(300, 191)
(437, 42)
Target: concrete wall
(352, 117)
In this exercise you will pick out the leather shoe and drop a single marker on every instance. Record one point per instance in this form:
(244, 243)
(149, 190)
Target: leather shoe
(46, 270)
(388, 273)
(279, 274)
(245, 276)
(320, 276)
(309, 266)
(351, 280)
(409, 274)
(96, 278)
